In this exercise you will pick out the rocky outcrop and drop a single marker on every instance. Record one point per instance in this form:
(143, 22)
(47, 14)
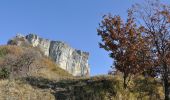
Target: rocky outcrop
(43, 44)
(72, 60)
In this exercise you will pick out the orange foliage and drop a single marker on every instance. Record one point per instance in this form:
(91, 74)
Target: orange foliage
(126, 45)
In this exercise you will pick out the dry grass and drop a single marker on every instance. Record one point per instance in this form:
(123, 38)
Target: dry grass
(42, 65)
(15, 50)
(17, 90)
(46, 68)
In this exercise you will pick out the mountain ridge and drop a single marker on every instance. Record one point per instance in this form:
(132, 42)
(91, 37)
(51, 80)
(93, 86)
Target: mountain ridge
(72, 60)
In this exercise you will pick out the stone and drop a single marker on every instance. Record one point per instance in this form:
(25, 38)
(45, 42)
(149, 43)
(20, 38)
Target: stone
(36, 41)
(72, 60)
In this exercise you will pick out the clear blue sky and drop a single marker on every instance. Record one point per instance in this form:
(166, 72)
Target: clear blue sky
(72, 21)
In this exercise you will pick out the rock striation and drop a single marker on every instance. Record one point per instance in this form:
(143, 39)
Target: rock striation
(72, 60)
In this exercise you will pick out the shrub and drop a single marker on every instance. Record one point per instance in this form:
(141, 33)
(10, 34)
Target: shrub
(147, 88)
(3, 52)
(18, 60)
(12, 42)
(4, 73)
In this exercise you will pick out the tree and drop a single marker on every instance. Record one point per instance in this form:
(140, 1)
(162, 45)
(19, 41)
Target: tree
(126, 45)
(20, 65)
(155, 17)
(141, 49)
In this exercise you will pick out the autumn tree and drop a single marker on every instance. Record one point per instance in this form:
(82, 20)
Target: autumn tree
(155, 17)
(145, 48)
(126, 45)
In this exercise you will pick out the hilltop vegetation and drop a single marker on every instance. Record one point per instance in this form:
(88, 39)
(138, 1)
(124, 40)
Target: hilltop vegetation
(18, 61)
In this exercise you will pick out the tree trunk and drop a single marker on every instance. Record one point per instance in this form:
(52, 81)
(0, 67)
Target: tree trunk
(124, 82)
(166, 86)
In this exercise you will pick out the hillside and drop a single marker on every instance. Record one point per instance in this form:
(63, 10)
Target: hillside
(70, 59)
(29, 61)
(26, 74)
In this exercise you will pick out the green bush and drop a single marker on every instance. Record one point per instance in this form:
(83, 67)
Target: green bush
(4, 73)
(3, 52)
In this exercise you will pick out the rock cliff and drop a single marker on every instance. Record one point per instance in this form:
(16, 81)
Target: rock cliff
(72, 60)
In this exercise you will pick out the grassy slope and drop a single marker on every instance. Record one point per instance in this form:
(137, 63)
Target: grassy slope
(52, 82)
(47, 68)
(17, 90)
(99, 88)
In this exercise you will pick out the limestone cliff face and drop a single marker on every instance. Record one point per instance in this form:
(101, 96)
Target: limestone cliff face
(72, 60)
(43, 44)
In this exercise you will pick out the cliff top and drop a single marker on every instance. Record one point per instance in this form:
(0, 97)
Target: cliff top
(34, 36)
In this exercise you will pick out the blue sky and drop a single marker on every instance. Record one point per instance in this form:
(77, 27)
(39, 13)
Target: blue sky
(72, 21)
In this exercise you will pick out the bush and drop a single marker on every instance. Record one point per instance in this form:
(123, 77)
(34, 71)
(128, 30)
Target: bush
(147, 88)
(12, 42)
(4, 73)
(3, 52)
